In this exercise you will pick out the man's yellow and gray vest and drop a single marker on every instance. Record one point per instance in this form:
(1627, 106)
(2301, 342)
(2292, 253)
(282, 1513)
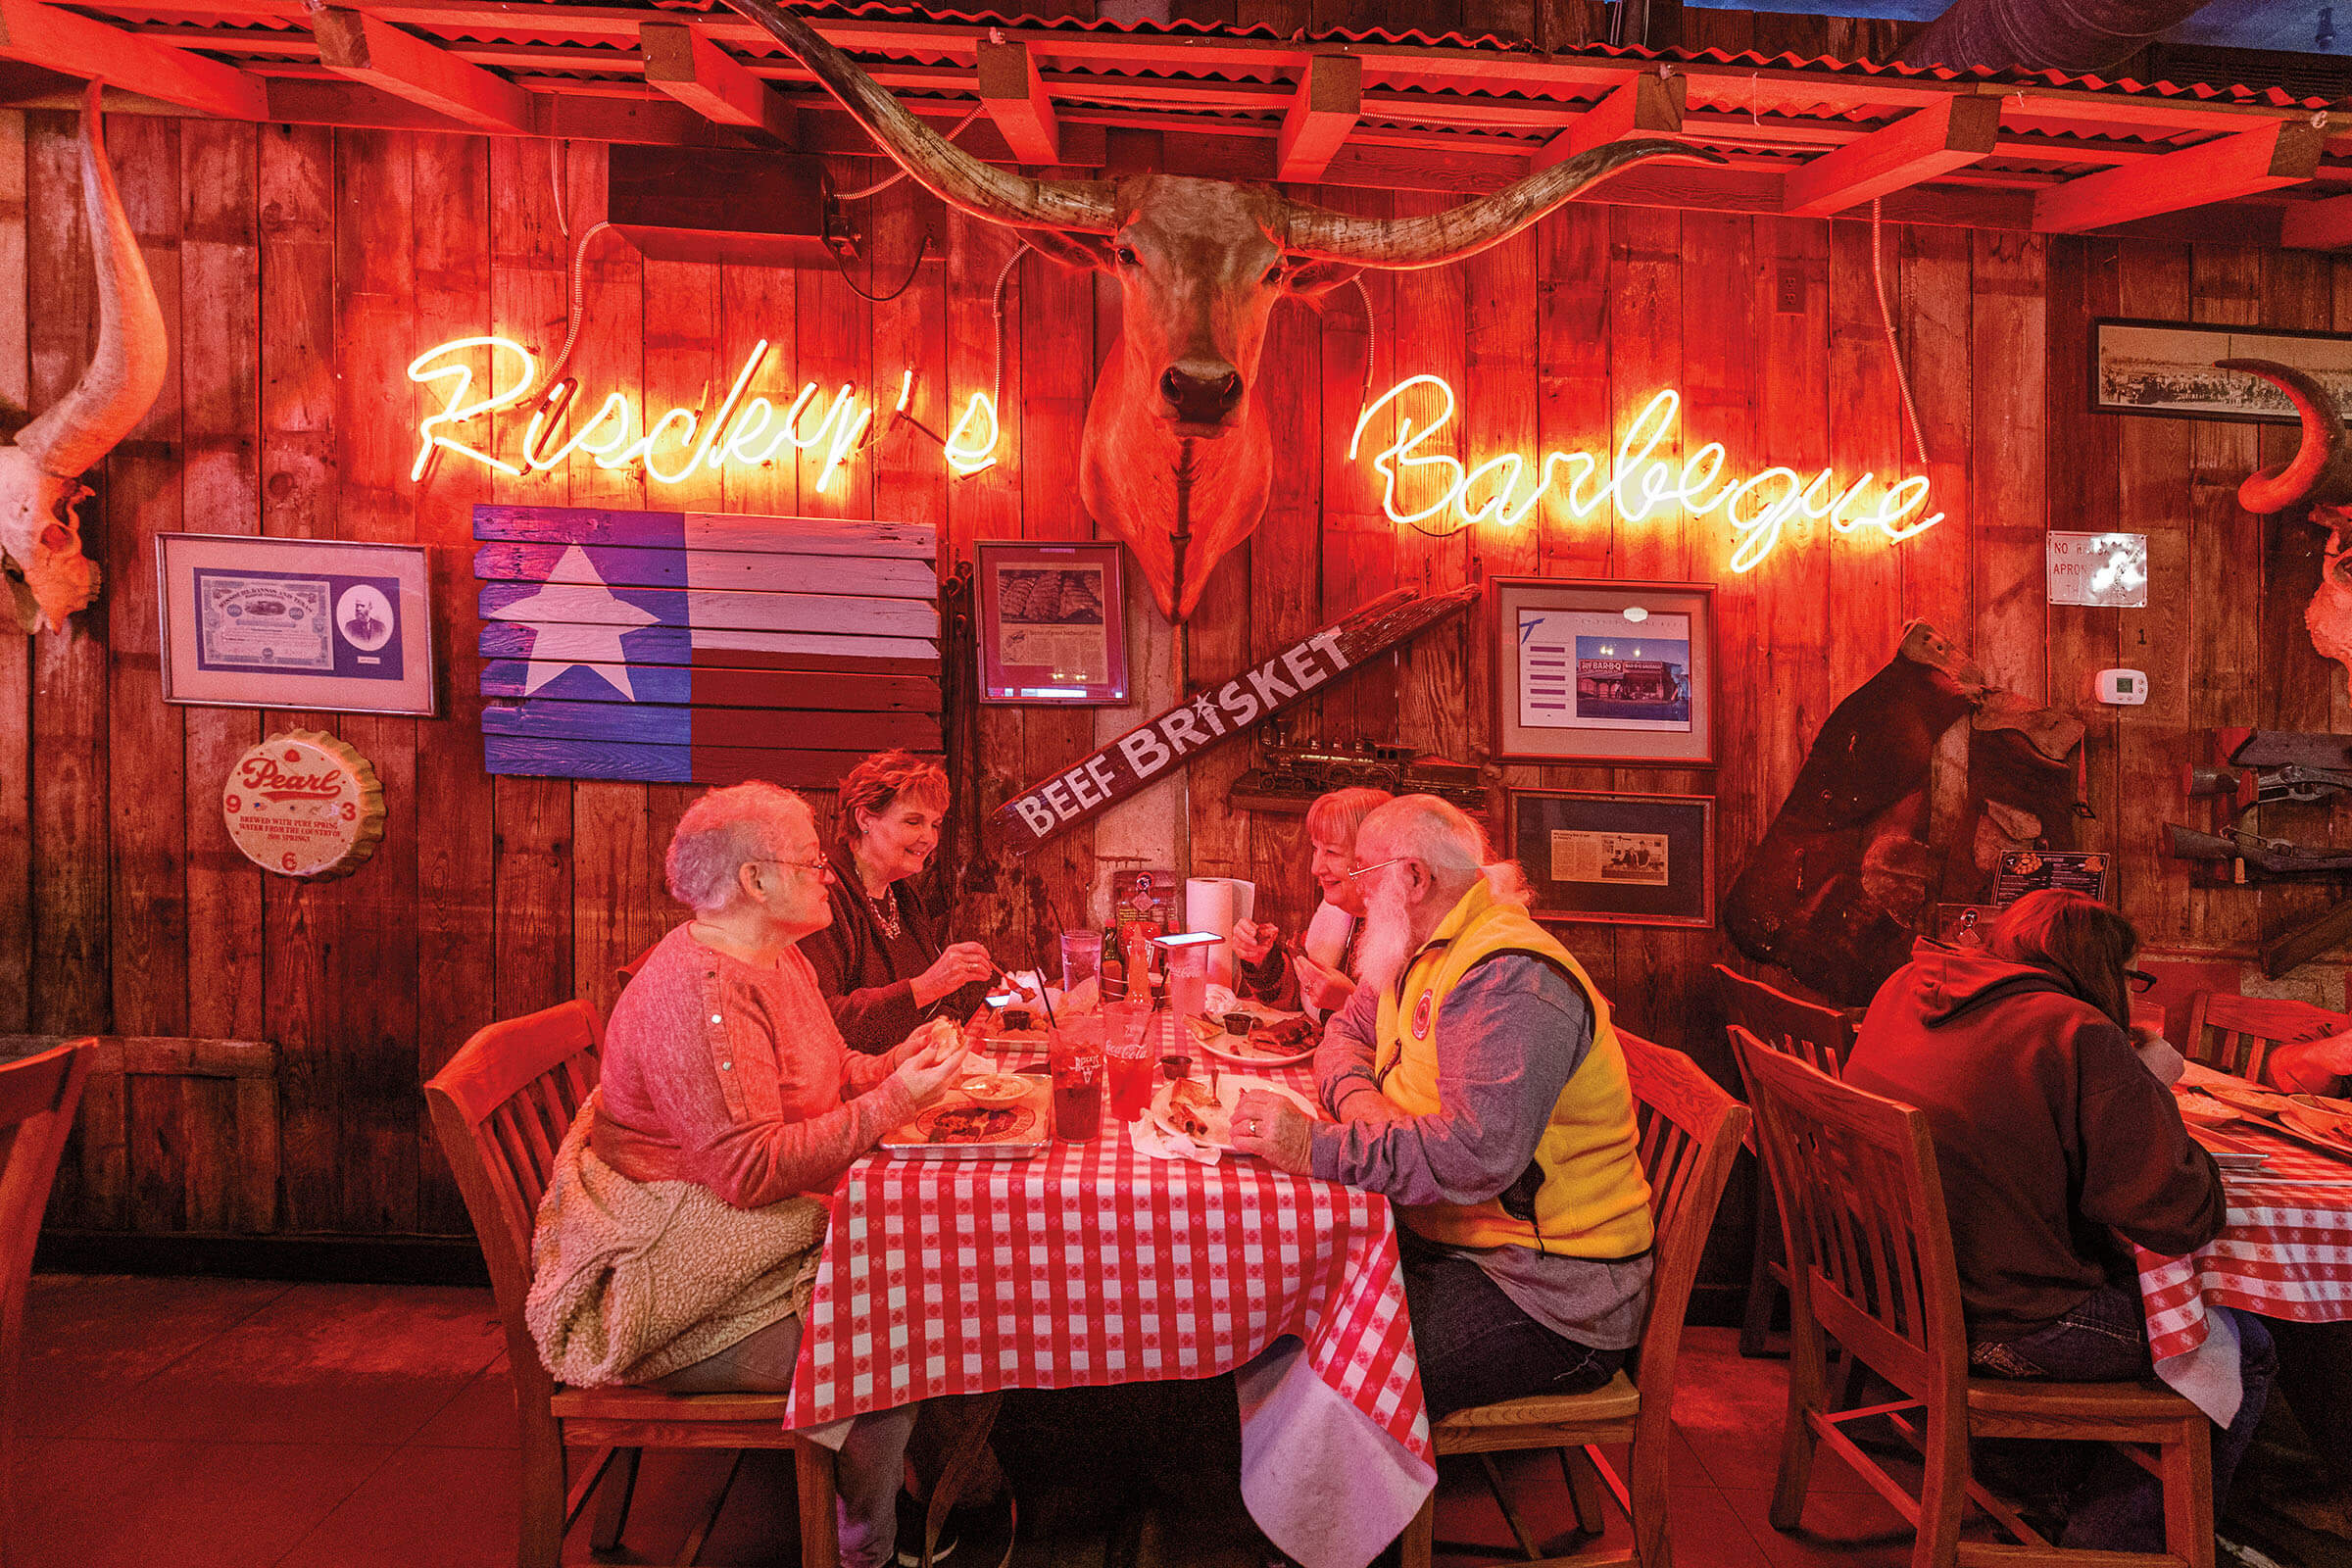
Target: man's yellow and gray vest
(1593, 1200)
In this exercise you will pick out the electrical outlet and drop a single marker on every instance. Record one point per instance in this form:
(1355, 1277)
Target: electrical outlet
(1789, 290)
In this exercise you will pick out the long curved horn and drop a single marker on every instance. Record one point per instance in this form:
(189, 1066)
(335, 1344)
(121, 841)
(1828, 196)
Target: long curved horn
(2319, 473)
(942, 168)
(1435, 238)
(121, 386)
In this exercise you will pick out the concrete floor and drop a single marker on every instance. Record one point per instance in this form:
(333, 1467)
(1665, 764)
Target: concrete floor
(248, 1423)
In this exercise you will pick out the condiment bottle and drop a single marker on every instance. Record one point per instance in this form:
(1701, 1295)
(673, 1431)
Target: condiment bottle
(1114, 967)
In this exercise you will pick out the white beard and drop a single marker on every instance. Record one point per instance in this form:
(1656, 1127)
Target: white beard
(1387, 939)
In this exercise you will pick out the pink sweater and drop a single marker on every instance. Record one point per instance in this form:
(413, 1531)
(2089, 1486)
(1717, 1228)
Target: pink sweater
(736, 1078)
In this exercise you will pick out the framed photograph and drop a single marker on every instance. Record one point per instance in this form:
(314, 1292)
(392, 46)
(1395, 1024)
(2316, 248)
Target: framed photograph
(1052, 623)
(312, 623)
(1603, 671)
(2168, 368)
(1632, 860)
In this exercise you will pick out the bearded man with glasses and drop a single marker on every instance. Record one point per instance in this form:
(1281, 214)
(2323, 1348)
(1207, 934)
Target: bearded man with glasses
(1478, 1084)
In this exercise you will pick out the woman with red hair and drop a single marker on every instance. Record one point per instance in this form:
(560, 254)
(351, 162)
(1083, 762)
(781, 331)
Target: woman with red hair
(1318, 972)
(883, 964)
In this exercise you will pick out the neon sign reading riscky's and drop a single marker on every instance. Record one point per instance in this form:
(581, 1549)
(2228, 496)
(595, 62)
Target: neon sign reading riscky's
(673, 447)
(1758, 507)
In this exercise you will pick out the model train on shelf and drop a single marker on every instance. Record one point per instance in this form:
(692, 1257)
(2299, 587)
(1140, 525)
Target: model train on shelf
(1289, 777)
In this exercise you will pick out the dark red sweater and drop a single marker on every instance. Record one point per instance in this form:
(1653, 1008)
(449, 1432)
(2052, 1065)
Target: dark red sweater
(2048, 1132)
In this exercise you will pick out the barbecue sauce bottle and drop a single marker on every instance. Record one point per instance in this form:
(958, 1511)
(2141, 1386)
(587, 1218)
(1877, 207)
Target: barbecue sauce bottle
(1115, 966)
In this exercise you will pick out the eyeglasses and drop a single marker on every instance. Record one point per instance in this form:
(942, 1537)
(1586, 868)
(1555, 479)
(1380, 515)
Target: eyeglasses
(1377, 866)
(2140, 981)
(820, 867)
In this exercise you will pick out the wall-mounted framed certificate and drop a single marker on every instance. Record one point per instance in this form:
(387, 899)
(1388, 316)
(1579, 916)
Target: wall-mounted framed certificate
(319, 624)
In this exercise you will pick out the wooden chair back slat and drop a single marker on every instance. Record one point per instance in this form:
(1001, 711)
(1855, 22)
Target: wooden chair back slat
(1821, 1037)
(495, 1108)
(2236, 1034)
(1690, 1130)
(1862, 1213)
(38, 1096)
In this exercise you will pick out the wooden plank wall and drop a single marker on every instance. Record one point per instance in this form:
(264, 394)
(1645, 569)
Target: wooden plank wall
(300, 268)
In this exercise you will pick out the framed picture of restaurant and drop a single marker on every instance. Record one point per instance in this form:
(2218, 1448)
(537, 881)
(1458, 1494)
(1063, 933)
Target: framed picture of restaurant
(317, 625)
(1603, 671)
(1632, 860)
(2166, 368)
(1053, 622)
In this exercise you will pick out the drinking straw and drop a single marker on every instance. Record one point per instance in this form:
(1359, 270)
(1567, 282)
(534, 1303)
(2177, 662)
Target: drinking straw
(1043, 997)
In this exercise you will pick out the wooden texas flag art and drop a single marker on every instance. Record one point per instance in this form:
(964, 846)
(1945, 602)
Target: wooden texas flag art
(688, 647)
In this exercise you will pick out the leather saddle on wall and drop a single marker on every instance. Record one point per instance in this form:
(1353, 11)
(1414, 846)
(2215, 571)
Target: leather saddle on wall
(1918, 783)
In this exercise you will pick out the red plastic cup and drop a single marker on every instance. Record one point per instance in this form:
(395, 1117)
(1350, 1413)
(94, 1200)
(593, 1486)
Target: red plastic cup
(1074, 1056)
(1127, 1049)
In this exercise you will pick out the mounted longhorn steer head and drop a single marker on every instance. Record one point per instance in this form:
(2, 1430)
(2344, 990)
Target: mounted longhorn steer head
(1199, 265)
(41, 534)
(2317, 476)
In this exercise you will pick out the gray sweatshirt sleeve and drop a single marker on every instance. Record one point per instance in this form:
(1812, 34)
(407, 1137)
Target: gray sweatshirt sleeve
(1510, 1036)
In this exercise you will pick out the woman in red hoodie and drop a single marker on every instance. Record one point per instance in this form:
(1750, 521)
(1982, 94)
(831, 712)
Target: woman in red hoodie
(2057, 1148)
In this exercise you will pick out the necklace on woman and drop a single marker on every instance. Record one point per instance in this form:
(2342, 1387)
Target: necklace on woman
(885, 910)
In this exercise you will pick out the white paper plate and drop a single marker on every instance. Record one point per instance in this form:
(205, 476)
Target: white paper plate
(1230, 1089)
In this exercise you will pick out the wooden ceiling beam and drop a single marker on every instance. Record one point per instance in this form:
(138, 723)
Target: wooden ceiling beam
(2270, 156)
(367, 49)
(1017, 99)
(1915, 149)
(682, 64)
(37, 35)
(2320, 225)
(1328, 103)
(1650, 105)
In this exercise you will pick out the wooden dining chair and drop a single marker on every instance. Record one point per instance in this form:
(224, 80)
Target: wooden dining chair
(1690, 1130)
(501, 1107)
(37, 1100)
(1822, 1036)
(2236, 1034)
(1862, 1213)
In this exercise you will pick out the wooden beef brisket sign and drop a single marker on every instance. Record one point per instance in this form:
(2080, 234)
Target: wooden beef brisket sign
(1147, 752)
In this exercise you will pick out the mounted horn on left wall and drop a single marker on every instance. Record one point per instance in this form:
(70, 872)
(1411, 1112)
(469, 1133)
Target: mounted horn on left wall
(41, 472)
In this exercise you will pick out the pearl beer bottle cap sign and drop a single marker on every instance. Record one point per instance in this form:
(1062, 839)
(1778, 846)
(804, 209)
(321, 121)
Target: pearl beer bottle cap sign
(304, 804)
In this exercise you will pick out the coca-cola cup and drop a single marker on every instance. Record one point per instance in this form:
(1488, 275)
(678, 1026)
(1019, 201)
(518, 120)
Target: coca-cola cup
(1075, 1057)
(1128, 1054)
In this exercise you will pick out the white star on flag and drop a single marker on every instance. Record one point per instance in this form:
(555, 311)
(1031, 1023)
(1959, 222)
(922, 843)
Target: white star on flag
(562, 638)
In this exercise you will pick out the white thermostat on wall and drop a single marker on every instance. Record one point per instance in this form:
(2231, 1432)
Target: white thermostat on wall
(2123, 688)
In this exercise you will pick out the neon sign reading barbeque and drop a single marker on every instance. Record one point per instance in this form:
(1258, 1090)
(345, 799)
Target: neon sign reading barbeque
(1759, 508)
(1503, 489)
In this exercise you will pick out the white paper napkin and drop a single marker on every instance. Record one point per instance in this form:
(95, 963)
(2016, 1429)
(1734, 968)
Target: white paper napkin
(1148, 1137)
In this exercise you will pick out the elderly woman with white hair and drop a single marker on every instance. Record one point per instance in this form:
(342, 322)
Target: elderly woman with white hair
(1477, 1082)
(679, 1242)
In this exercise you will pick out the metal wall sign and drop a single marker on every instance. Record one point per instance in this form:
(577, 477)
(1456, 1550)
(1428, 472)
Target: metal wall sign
(1150, 751)
(304, 804)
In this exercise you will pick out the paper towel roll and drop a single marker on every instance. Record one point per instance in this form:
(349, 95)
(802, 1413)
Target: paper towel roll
(1212, 904)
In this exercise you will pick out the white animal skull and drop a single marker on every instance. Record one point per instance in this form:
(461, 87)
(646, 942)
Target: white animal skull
(2317, 476)
(41, 534)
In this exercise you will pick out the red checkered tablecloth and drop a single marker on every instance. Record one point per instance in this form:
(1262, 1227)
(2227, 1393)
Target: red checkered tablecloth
(2284, 1254)
(1094, 1264)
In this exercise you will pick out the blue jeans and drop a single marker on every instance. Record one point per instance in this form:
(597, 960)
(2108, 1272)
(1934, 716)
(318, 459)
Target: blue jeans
(2111, 1504)
(1476, 1346)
